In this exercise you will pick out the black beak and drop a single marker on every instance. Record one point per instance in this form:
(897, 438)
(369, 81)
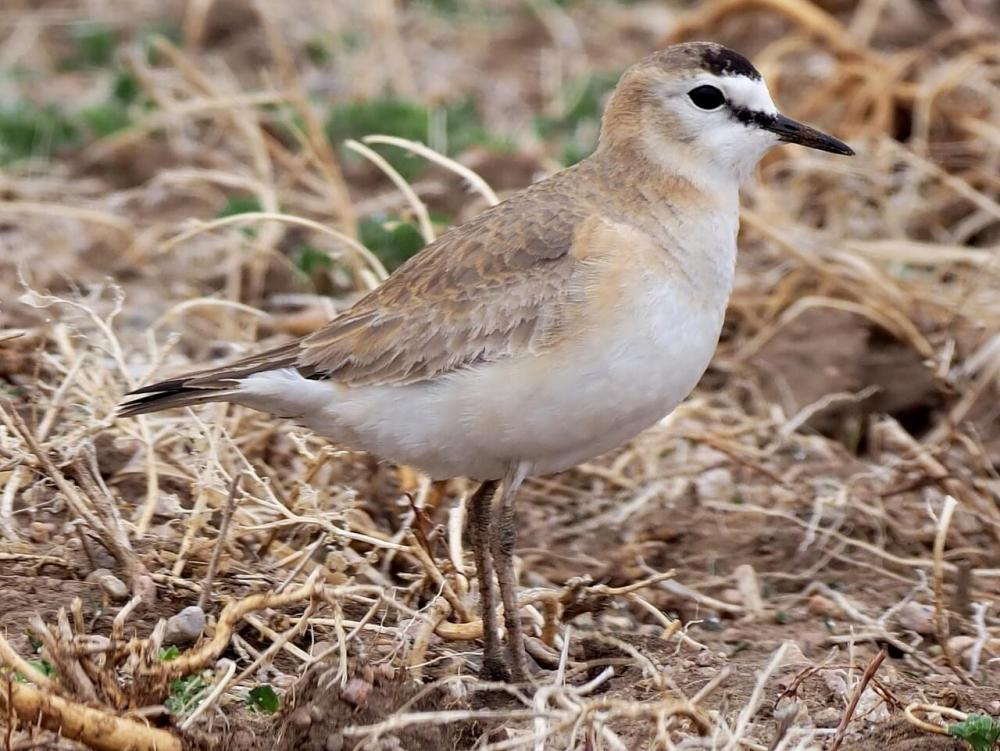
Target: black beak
(791, 131)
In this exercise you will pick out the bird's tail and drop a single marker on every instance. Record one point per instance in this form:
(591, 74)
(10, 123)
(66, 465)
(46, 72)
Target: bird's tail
(212, 385)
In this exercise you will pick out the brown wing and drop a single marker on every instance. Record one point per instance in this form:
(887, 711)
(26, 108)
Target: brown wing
(487, 289)
(490, 288)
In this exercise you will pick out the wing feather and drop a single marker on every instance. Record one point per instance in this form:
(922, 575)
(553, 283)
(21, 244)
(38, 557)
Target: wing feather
(495, 287)
(488, 289)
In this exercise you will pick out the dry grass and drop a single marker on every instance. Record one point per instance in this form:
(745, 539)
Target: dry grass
(831, 489)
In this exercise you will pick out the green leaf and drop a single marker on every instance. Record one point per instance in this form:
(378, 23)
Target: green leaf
(185, 694)
(125, 87)
(94, 46)
(166, 29)
(263, 699)
(44, 667)
(27, 130)
(105, 119)
(318, 50)
(239, 205)
(576, 129)
(167, 654)
(979, 731)
(386, 115)
(308, 259)
(391, 116)
(390, 239)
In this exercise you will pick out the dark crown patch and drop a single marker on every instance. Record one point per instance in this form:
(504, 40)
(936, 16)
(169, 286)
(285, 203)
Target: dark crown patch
(722, 61)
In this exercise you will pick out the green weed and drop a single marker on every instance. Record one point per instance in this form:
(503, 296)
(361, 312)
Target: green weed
(94, 46)
(167, 654)
(263, 699)
(308, 259)
(576, 129)
(390, 115)
(185, 694)
(979, 731)
(29, 130)
(239, 205)
(392, 240)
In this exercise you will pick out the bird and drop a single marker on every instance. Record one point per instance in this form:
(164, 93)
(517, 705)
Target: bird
(549, 329)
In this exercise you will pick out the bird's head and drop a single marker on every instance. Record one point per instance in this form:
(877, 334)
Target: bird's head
(703, 108)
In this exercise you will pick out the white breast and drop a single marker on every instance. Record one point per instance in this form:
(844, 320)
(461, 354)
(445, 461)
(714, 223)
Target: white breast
(555, 410)
(619, 372)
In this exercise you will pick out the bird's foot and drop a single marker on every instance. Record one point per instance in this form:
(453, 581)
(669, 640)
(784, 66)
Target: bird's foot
(507, 669)
(494, 669)
(518, 665)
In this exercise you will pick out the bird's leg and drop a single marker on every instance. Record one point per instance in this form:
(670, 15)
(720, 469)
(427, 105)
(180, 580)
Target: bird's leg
(480, 508)
(503, 538)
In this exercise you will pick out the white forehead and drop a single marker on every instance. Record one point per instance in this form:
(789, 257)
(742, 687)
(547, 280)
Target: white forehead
(742, 91)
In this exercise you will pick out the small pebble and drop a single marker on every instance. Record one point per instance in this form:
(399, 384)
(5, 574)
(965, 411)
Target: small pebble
(789, 711)
(356, 691)
(794, 657)
(732, 596)
(616, 622)
(185, 627)
(41, 532)
(144, 586)
(749, 586)
(320, 647)
(835, 682)
(704, 659)
(334, 742)
(715, 484)
(958, 645)
(916, 616)
(301, 718)
(828, 717)
(823, 607)
(111, 585)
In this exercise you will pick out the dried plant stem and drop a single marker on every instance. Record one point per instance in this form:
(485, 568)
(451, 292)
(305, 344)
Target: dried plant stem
(195, 660)
(940, 608)
(18, 664)
(477, 182)
(866, 678)
(251, 216)
(220, 543)
(72, 494)
(217, 690)
(911, 715)
(272, 649)
(750, 708)
(94, 727)
(418, 207)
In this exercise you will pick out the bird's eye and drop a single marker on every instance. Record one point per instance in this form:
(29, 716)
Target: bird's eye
(707, 97)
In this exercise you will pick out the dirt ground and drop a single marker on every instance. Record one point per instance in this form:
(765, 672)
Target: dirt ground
(174, 190)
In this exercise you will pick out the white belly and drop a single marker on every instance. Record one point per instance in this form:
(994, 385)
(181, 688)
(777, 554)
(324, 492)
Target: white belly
(554, 410)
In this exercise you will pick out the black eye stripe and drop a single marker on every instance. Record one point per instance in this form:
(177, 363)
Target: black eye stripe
(748, 116)
(707, 97)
